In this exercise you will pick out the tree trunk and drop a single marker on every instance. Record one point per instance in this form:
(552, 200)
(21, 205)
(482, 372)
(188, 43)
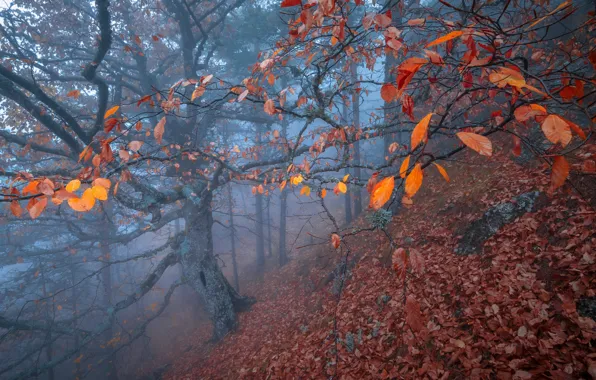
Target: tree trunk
(259, 231)
(106, 279)
(356, 120)
(204, 275)
(269, 242)
(348, 197)
(49, 319)
(348, 202)
(283, 200)
(259, 218)
(75, 313)
(283, 258)
(233, 238)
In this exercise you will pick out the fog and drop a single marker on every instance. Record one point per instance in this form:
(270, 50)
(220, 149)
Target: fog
(159, 158)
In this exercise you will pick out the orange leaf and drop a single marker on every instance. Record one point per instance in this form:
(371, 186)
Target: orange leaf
(446, 38)
(110, 112)
(38, 208)
(403, 169)
(335, 240)
(73, 94)
(144, 99)
(372, 181)
(434, 57)
(381, 193)
(516, 146)
(135, 145)
(305, 191)
(576, 128)
(414, 180)
(388, 92)
(399, 261)
(242, 96)
(46, 187)
(526, 112)
(560, 172)
(31, 188)
(159, 130)
(103, 182)
(416, 22)
(479, 143)
(442, 171)
(100, 192)
(420, 132)
(269, 107)
(16, 209)
(198, 92)
(85, 155)
(323, 193)
(342, 187)
(556, 130)
(83, 204)
(73, 185)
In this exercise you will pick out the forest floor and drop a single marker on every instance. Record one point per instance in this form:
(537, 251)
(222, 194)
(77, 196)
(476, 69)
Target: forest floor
(509, 313)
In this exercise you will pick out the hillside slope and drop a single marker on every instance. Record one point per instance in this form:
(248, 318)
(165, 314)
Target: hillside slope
(507, 314)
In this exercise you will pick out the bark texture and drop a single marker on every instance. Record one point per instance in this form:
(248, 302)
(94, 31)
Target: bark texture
(204, 275)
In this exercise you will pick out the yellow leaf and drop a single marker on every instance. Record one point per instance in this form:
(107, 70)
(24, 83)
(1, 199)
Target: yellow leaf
(446, 38)
(414, 181)
(556, 130)
(479, 143)
(345, 178)
(100, 192)
(73, 185)
(403, 169)
(420, 132)
(297, 179)
(342, 187)
(111, 111)
(381, 193)
(442, 171)
(159, 130)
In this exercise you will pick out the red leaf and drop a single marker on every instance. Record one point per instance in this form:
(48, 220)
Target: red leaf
(290, 3)
(416, 261)
(413, 314)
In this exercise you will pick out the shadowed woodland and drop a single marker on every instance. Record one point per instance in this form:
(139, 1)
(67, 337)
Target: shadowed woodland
(223, 189)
